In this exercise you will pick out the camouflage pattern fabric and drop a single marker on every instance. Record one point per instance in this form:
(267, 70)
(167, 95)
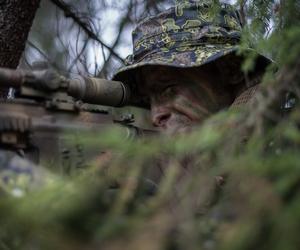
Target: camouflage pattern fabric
(244, 98)
(19, 176)
(190, 34)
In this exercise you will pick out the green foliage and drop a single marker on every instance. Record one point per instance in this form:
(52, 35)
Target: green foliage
(168, 193)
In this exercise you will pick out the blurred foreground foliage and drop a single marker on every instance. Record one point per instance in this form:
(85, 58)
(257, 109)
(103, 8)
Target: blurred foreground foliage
(233, 183)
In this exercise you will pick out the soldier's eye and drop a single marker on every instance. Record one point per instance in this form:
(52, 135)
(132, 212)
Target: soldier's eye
(169, 87)
(168, 90)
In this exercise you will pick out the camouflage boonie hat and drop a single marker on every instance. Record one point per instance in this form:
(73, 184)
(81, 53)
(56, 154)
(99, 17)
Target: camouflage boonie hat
(190, 34)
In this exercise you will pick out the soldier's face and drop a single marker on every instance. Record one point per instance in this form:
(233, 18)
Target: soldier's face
(181, 98)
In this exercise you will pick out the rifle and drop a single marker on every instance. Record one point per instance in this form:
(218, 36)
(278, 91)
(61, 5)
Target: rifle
(46, 105)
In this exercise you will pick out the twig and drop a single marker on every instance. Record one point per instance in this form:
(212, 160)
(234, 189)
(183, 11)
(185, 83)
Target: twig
(67, 9)
(122, 25)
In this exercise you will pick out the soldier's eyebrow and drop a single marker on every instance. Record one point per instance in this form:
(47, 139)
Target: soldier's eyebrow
(154, 79)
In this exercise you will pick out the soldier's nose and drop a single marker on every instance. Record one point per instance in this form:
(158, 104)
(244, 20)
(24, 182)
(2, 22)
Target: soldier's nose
(160, 117)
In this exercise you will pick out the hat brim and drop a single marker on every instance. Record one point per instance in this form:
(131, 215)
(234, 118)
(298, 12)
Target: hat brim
(185, 57)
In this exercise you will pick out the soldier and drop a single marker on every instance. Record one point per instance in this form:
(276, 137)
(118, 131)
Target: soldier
(185, 66)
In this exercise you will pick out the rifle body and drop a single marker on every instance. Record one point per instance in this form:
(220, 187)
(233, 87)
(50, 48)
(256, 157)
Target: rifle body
(44, 124)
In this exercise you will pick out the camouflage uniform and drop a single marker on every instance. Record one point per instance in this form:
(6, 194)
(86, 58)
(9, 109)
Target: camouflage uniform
(190, 34)
(18, 175)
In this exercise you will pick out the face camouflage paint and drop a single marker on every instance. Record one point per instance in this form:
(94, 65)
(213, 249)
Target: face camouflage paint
(182, 98)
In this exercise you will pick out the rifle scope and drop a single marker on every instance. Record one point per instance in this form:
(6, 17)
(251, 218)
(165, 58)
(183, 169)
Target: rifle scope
(99, 91)
(89, 90)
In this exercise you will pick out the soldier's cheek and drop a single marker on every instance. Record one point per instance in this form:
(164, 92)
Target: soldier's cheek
(193, 109)
(176, 123)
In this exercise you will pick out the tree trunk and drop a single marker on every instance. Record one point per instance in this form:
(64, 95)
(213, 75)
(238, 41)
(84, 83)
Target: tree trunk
(16, 17)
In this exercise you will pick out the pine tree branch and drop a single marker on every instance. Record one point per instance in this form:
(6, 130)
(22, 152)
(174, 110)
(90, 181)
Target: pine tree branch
(70, 13)
(121, 25)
